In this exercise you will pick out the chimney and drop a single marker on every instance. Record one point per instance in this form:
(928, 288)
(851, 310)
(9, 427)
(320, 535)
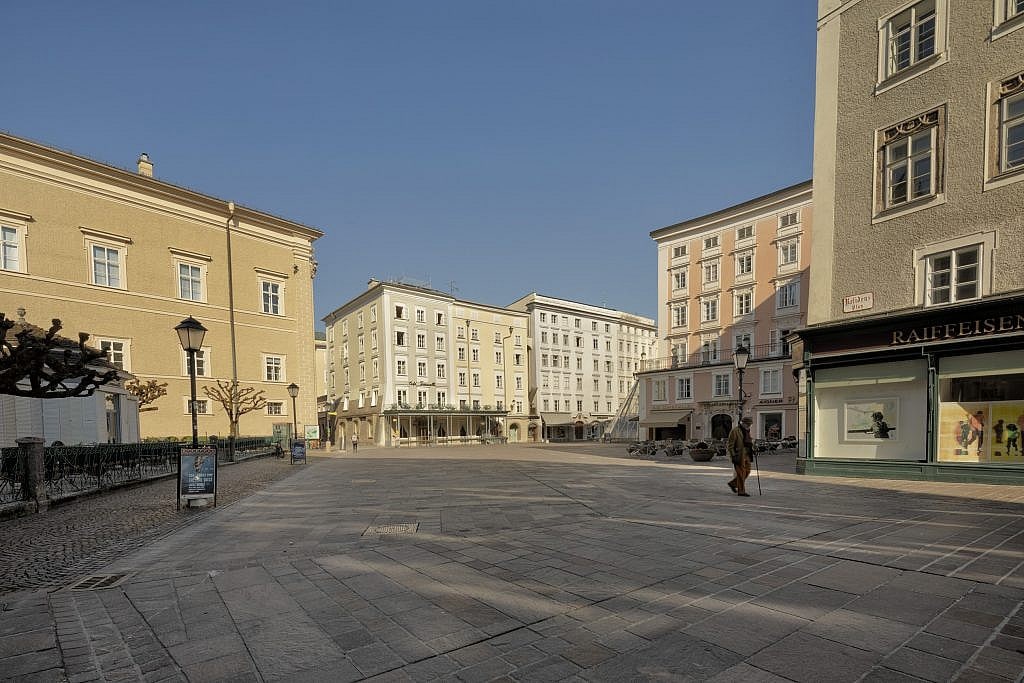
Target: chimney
(372, 283)
(145, 165)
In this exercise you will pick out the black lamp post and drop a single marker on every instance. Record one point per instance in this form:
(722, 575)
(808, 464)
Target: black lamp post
(190, 334)
(293, 391)
(739, 358)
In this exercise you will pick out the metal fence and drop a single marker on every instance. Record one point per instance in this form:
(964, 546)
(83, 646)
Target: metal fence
(71, 470)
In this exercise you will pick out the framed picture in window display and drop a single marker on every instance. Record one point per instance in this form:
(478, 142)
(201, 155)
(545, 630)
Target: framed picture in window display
(870, 419)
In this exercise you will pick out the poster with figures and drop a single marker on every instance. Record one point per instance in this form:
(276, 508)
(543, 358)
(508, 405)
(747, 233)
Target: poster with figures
(981, 432)
(871, 419)
(198, 473)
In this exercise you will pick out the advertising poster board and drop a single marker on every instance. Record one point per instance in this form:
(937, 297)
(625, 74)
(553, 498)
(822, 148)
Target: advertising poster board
(197, 478)
(989, 432)
(312, 432)
(298, 450)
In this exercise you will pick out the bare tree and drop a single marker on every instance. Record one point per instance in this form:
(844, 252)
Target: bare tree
(146, 392)
(38, 363)
(236, 401)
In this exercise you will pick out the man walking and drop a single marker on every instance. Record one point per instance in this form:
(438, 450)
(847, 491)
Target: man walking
(741, 450)
(355, 442)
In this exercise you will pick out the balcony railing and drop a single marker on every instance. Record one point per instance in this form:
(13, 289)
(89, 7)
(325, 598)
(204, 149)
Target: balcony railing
(704, 358)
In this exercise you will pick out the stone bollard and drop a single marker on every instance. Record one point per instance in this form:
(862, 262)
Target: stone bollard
(32, 455)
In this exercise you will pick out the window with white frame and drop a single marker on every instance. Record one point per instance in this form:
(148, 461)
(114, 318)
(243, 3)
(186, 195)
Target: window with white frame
(203, 406)
(361, 344)
(400, 312)
(362, 371)
(721, 384)
(421, 315)
(1014, 8)
(679, 353)
(421, 341)
(789, 252)
(745, 264)
(711, 242)
(399, 338)
(401, 367)
(402, 396)
(684, 388)
(118, 353)
(497, 357)
(909, 37)
(476, 379)
(373, 339)
(190, 281)
(543, 317)
(270, 297)
(679, 279)
(273, 368)
(788, 220)
(438, 318)
(439, 344)
(442, 398)
(421, 397)
(461, 352)
(344, 327)
(202, 363)
(499, 381)
(953, 276)
(777, 344)
(788, 295)
(462, 379)
(744, 233)
(519, 382)
(359, 319)
(743, 339)
(373, 313)
(679, 251)
(474, 334)
(771, 381)
(106, 265)
(709, 350)
(711, 272)
(517, 359)
(658, 390)
(709, 310)
(1010, 122)
(11, 247)
(421, 368)
(543, 360)
(744, 302)
(275, 407)
(909, 156)
(375, 367)
(475, 355)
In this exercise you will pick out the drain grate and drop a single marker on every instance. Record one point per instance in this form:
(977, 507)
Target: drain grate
(99, 582)
(391, 529)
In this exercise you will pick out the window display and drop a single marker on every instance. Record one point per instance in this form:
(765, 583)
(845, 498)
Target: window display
(981, 418)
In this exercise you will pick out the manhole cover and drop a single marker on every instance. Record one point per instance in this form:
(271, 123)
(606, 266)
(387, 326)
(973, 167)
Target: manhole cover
(389, 529)
(99, 582)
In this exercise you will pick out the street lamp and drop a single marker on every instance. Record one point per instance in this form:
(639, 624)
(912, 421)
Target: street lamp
(190, 334)
(739, 358)
(293, 391)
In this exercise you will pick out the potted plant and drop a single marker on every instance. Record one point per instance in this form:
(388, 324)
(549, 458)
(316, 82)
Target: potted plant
(701, 452)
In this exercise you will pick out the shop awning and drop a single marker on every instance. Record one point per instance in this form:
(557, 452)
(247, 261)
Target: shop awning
(556, 418)
(665, 418)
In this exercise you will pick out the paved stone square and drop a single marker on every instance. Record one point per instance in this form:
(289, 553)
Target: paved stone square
(552, 562)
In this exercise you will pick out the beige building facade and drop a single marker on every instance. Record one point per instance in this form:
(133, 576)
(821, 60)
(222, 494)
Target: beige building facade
(912, 357)
(409, 365)
(583, 362)
(125, 257)
(733, 278)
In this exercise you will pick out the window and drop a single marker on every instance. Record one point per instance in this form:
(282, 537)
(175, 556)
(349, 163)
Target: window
(787, 220)
(202, 362)
(607, 366)
(711, 242)
(421, 368)
(462, 379)
(909, 37)
(745, 264)
(497, 357)
(679, 279)
(658, 390)
(679, 316)
(579, 406)
(442, 399)
(401, 367)
(421, 398)
(10, 248)
(460, 332)
(1011, 123)
(543, 360)
(359, 319)
(439, 343)
(362, 372)
(543, 317)
(275, 407)
(596, 365)
(519, 382)
(517, 359)
(709, 310)
(462, 353)
(440, 370)
(106, 266)
(679, 251)
(117, 353)
(953, 276)
(788, 295)
(909, 156)
(711, 272)
(475, 354)
(594, 340)
(679, 353)
(518, 340)
(499, 381)
(273, 368)
(421, 315)
(722, 384)
(360, 344)
(789, 252)
(271, 297)
(543, 337)
(421, 341)
(375, 365)
(403, 397)
(190, 282)
(771, 381)
(608, 345)
(709, 351)
(474, 334)
(743, 303)
(476, 379)
(745, 340)
(746, 232)
(399, 338)
(373, 313)
(438, 318)
(579, 384)
(202, 407)
(400, 312)
(373, 339)
(684, 388)
(777, 344)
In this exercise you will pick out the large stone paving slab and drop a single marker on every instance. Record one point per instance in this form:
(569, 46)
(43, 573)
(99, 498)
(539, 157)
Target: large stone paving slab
(535, 563)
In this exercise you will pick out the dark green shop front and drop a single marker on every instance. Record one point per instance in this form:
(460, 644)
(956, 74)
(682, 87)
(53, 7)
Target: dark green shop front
(934, 394)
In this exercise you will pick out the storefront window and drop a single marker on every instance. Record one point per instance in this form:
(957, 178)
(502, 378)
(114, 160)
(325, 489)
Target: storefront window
(981, 409)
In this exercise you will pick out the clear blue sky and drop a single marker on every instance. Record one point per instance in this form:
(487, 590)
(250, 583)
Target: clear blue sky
(510, 146)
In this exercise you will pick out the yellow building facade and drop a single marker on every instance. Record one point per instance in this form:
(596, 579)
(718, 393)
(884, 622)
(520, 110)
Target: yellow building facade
(125, 257)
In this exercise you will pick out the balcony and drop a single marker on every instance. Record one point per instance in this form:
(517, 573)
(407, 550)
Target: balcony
(702, 359)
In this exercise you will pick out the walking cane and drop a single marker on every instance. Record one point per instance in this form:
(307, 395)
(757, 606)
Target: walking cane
(758, 471)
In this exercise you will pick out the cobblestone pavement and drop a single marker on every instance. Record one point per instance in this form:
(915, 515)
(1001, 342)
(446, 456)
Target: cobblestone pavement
(547, 563)
(71, 539)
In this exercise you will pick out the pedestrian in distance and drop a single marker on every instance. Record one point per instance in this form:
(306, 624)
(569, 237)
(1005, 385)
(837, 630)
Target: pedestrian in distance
(741, 449)
(355, 442)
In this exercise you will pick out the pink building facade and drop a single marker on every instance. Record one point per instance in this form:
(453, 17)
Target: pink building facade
(735, 277)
